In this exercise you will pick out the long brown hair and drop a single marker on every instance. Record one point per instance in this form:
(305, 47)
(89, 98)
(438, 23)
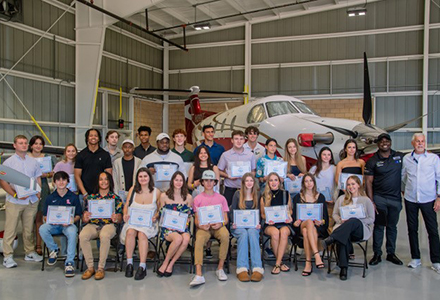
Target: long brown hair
(298, 156)
(267, 194)
(65, 150)
(344, 151)
(254, 192)
(348, 198)
(197, 160)
(183, 190)
(137, 185)
(319, 161)
(303, 188)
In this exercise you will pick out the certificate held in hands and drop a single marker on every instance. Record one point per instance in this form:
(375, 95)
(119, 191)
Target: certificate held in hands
(293, 186)
(23, 192)
(352, 211)
(276, 214)
(308, 211)
(140, 217)
(45, 164)
(236, 169)
(210, 214)
(101, 209)
(248, 218)
(60, 215)
(276, 166)
(164, 172)
(174, 220)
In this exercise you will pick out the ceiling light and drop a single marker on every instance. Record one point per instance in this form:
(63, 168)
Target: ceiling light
(202, 26)
(356, 11)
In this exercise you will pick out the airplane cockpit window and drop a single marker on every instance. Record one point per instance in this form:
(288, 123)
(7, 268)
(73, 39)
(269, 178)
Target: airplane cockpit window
(280, 108)
(257, 114)
(304, 108)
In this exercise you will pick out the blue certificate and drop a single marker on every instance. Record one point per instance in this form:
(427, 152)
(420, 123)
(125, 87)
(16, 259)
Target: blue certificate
(309, 211)
(293, 186)
(123, 196)
(174, 220)
(276, 214)
(279, 167)
(246, 218)
(210, 214)
(352, 211)
(45, 164)
(327, 193)
(72, 183)
(24, 192)
(164, 172)
(140, 217)
(343, 179)
(101, 209)
(237, 169)
(60, 215)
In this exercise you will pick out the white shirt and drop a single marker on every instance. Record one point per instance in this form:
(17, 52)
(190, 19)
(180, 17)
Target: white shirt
(421, 177)
(258, 151)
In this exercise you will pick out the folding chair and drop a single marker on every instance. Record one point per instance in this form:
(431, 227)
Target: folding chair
(364, 265)
(154, 241)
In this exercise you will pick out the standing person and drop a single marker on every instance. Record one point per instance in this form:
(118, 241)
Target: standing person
(144, 148)
(421, 178)
(296, 163)
(179, 139)
(112, 138)
(20, 208)
(271, 149)
(351, 163)
(143, 195)
(165, 157)
(90, 162)
(61, 197)
(383, 184)
(104, 229)
(205, 232)
(252, 145)
(67, 164)
(248, 239)
(215, 150)
(36, 145)
(236, 154)
(124, 169)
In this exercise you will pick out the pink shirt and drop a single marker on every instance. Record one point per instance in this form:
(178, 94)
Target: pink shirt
(64, 166)
(203, 199)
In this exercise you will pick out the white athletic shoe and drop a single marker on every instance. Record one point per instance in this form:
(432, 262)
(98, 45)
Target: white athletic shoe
(414, 263)
(9, 262)
(436, 267)
(221, 275)
(33, 256)
(197, 280)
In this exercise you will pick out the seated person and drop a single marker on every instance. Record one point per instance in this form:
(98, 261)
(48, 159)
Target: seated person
(310, 229)
(104, 229)
(248, 239)
(205, 232)
(353, 229)
(279, 233)
(61, 197)
(178, 199)
(202, 162)
(142, 195)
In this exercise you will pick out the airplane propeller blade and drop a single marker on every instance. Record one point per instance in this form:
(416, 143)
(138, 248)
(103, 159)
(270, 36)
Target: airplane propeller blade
(344, 131)
(12, 176)
(403, 124)
(366, 109)
(186, 93)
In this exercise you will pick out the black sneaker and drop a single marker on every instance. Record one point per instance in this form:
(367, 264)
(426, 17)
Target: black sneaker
(208, 253)
(129, 270)
(140, 273)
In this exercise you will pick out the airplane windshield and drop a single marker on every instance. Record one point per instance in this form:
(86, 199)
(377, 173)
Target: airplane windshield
(304, 108)
(280, 108)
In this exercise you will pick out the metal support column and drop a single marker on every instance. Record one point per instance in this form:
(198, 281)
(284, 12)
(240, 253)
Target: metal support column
(425, 69)
(166, 85)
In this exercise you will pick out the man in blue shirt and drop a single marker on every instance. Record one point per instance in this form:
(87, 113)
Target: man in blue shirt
(215, 150)
(61, 197)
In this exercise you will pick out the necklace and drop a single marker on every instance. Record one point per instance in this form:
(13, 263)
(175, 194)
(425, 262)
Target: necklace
(275, 194)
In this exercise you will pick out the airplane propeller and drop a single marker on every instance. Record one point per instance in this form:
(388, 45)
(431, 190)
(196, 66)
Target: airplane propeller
(367, 107)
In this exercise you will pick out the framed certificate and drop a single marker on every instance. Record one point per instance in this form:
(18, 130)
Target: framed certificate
(237, 169)
(140, 217)
(45, 164)
(309, 211)
(60, 215)
(123, 196)
(276, 214)
(164, 172)
(210, 214)
(279, 167)
(101, 209)
(352, 211)
(72, 183)
(246, 218)
(24, 192)
(343, 179)
(327, 193)
(293, 186)
(174, 220)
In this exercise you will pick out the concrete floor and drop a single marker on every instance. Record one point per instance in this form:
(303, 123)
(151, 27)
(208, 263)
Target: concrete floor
(386, 280)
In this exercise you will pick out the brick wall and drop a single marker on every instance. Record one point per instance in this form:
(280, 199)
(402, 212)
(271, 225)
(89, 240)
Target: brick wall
(338, 108)
(148, 114)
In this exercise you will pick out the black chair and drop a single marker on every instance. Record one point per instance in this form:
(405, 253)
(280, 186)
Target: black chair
(266, 239)
(154, 241)
(300, 244)
(364, 265)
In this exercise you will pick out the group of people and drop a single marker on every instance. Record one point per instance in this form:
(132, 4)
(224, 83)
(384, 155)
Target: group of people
(156, 179)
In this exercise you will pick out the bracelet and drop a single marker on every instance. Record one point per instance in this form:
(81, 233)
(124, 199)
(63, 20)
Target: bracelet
(15, 195)
(192, 185)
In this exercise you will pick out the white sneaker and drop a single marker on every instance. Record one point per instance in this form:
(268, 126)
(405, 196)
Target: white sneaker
(414, 263)
(197, 280)
(9, 262)
(436, 267)
(33, 256)
(221, 275)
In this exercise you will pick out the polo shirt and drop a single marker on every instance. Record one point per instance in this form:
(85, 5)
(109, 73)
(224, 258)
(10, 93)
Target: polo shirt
(186, 155)
(92, 164)
(387, 174)
(232, 155)
(259, 151)
(215, 151)
(141, 152)
(69, 199)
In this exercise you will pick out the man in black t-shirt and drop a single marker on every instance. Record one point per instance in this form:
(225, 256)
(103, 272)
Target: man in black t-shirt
(90, 162)
(144, 148)
(383, 185)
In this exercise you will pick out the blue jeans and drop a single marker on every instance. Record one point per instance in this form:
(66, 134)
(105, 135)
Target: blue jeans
(248, 239)
(71, 232)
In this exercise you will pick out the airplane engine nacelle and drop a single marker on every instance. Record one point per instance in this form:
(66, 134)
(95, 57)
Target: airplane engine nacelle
(311, 139)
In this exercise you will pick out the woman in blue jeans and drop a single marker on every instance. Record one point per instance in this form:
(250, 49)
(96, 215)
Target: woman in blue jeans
(248, 238)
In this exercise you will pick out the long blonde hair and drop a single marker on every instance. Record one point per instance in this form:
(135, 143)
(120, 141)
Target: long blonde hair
(348, 198)
(303, 188)
(254, 192)
(298, 156)
(267, 194)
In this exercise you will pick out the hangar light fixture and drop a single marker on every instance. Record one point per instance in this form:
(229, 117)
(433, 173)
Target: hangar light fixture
(357, 11)
(202, 26)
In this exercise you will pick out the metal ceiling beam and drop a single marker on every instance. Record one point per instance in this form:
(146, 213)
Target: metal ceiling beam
(174, 13)
(207, 11)
(239, 8)
(270, 4)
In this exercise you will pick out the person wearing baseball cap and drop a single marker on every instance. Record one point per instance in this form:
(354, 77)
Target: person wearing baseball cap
(124, 170)
(163, 162)
(383, 187)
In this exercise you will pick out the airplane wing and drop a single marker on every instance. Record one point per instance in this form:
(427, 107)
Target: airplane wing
(47, 149)
(14, 177)
(186, 93)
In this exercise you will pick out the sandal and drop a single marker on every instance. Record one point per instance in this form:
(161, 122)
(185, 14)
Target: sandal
(286, 268)
(274, 270)
(39, 250)
(307, 273)
(321, 265)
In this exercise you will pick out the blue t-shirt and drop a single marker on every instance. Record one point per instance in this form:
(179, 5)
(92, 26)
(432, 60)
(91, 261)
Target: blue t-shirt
(69, 199)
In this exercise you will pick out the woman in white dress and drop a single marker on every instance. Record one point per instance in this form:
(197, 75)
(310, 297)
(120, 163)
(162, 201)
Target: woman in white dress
(142, 195)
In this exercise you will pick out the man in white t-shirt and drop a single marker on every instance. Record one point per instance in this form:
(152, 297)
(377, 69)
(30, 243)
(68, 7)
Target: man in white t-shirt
(252, 145)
